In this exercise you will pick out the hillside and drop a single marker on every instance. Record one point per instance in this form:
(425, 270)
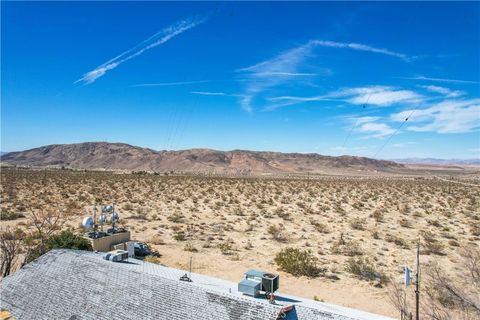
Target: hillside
(120, 156)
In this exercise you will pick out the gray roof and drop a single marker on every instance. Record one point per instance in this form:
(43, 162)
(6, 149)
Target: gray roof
(71, 284)
(65, 284)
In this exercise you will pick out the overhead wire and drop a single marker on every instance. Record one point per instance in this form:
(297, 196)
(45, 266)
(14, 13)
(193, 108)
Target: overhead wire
(354, 125)
(393, 134)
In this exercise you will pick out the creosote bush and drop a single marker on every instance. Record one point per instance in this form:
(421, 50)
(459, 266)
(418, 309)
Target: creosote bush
(298, 262)
(364, 270)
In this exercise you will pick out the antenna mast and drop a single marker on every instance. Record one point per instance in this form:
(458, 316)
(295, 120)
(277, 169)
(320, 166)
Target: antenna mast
(417, 284)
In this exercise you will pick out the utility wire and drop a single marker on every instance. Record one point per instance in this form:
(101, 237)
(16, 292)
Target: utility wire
(394, 133)
(354, 125)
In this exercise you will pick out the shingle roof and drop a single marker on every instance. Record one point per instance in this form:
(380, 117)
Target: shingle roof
(77, 285)
(65, 284)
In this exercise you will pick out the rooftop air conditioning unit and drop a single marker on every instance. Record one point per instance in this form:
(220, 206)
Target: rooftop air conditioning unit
(256, 281)
(270, 282)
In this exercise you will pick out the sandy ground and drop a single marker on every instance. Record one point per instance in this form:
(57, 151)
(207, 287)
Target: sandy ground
(379, 218)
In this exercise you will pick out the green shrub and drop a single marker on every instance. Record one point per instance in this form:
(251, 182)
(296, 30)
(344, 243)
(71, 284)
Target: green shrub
(226, 247)
(5, 215)
(364, 270)
(64, 240)
(68, 240)
(298, 262)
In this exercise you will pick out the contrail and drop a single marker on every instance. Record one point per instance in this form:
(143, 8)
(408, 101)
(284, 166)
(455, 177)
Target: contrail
(157, 39)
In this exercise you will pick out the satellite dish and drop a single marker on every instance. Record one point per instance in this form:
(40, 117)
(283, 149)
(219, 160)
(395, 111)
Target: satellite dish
(108, 208)
(115, 216)
(102, 219)
(88, 223)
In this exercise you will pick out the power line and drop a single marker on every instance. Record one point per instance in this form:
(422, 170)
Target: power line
(354, 125)
(394, 133)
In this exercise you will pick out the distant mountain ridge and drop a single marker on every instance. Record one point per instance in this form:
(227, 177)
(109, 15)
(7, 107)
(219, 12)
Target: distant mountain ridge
(121, 156)
(438, 161)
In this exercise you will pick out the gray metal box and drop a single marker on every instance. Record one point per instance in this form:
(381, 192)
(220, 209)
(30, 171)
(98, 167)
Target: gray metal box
(249, 287)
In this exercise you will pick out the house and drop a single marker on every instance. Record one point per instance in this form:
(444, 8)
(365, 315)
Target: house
(76, 285)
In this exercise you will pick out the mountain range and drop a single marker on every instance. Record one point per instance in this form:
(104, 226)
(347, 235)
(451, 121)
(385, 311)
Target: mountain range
(436, 161)
(121, 156)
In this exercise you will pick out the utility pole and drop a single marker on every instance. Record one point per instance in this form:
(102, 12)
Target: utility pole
(417, 285)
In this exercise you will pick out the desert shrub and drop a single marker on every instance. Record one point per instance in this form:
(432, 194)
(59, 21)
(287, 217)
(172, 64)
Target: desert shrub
(277, 233)
(357, 224)
(378, 216)
(190, 247)
(68, 240)
(157, 240)
(397, 240)
(63, 240)
(6, 215)
(180, 235)
(475, 228)
(320, 227)
(298, 262)
(346, 248)
(431, 244)
(152, 259)
(175, 218)
(405, 223)
(364, 270)
(226, 247)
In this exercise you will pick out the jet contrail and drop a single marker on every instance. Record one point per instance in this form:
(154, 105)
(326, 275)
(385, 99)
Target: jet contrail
(157, 39)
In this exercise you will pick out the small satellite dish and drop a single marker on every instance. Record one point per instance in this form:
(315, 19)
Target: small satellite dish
(88, 223)
(108, 208)
(115, 216)
(102, 219)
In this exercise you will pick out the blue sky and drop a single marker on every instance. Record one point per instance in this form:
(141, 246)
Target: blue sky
(331, 78)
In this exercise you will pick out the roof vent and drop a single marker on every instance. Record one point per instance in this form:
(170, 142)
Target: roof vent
(116, 255)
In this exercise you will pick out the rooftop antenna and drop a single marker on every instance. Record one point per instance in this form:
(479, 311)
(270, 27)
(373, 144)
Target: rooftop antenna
(102, 219)
(95, 219)
(185, 277)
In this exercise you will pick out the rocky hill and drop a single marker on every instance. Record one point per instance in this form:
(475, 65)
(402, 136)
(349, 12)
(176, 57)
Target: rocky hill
(120, 156)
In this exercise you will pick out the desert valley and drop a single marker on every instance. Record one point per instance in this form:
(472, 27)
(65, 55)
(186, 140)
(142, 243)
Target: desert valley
(366, 214)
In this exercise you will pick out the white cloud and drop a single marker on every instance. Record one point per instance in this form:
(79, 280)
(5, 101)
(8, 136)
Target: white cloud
(379, 95)
(439, 79)
(374, 95)
(444, 91)
(376, 130)
(221, 94)
(449, 116)
(301, 99)
(157, 39)
(367, 119)
(167, 84)
(361, 47)
(286, 66)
